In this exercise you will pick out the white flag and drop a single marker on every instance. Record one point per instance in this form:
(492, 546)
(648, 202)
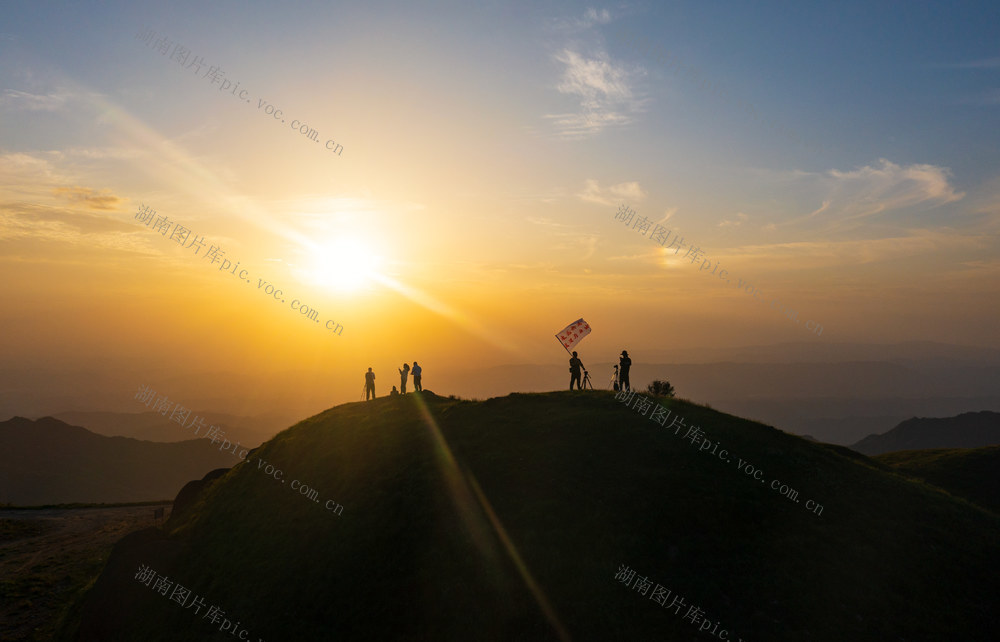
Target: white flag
(573, 333)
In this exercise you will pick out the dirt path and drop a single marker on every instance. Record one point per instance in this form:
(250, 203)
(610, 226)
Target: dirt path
(48, 556)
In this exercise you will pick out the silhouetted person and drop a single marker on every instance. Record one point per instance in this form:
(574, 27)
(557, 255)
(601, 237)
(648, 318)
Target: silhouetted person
(369, 384)
(403, 374)
(416, 377)
(575, 365)
(393, 391)
(624, 364)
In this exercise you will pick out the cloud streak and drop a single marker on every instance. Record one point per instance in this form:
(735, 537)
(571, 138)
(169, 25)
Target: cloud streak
(735, 222)
(89, 198)
(53, 101)
(630, 191)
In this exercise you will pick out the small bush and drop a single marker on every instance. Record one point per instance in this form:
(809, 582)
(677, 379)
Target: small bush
(660, 389)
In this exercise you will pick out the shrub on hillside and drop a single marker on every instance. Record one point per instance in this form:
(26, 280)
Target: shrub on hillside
(660, 389)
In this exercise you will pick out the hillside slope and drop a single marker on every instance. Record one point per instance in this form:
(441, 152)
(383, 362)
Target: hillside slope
(972, 473)
(967, 430)
(47, 461)
(510, 519)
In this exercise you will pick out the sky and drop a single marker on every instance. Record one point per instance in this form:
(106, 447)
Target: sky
(451, 183)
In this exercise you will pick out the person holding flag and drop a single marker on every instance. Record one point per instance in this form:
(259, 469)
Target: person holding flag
(574, 371)
(569, 337)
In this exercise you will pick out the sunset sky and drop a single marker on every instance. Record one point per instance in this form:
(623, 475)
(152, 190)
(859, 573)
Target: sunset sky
(844, 159)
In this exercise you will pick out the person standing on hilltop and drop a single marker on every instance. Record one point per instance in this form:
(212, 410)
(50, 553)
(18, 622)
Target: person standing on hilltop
(623, 365)
(575, 365)
(369, 384)
(403, 374)
(417, 386)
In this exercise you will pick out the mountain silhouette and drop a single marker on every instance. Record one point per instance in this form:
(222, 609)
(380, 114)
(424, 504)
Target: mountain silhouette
(510, 518)
(967, 430)
(47, 461)
(153, 426)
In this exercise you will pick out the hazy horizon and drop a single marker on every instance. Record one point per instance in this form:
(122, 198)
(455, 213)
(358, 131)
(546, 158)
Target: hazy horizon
(837, 393)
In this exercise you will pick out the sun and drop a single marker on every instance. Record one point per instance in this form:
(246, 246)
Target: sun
(345, 264)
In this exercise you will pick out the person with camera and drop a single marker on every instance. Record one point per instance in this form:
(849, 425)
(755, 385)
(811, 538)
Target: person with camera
(626, 363)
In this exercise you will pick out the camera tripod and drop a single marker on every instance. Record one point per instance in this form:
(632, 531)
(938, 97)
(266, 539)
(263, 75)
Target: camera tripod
(586, 380)
(614, 379)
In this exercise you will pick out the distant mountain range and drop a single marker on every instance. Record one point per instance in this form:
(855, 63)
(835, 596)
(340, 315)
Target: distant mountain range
(968, 430)
(153, 426)
(47, 461)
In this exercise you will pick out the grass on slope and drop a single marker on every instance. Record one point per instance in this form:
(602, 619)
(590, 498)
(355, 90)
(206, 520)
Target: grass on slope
(579, 484)
(971, 473)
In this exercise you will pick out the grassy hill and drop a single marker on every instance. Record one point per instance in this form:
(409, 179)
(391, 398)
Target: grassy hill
(972, 473)
(509, 519)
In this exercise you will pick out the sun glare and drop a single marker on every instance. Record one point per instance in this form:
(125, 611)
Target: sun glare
(345, 265)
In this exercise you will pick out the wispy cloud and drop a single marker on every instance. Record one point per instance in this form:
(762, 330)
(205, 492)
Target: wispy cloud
(104, 153)
(38, 207)
(59, 234)
(594, 17)
(591, 18)
(566, 237)
(735, 222)
(31, 177)
(582, 246)
(89, 198)
(829, 254)
(896, 186)
(605, 92)
(546, 222)
(631, 192)
(53, 101)
(849, 198)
